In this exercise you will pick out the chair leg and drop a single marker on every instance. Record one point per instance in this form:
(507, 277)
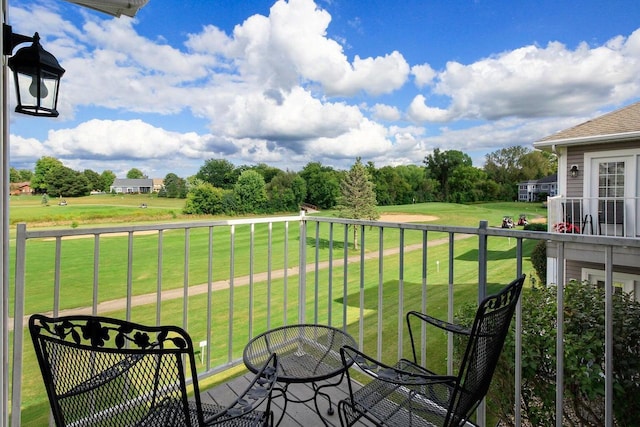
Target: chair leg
(342, 414)
(348, 416)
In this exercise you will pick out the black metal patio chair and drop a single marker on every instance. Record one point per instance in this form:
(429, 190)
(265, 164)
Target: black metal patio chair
(100, 371)
(408, 394)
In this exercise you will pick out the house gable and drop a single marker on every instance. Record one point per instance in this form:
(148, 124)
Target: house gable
(619, 125)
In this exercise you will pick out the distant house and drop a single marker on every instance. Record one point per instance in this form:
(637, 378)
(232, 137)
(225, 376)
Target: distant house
(158, 184)
(19, 188)
(131, 186)
(529, 191)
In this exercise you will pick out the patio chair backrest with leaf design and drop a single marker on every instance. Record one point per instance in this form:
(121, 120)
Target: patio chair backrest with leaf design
(105, 371)
(409, 394)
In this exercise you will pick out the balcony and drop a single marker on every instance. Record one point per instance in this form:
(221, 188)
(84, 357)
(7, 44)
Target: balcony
(227, 281)
(603, 216)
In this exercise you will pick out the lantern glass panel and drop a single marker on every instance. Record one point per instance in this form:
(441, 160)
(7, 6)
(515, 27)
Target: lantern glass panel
(37, 95)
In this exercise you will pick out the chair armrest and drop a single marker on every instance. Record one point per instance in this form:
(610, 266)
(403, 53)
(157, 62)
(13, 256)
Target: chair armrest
(441, 324)
(248, 401)
(109, 374)
(447, 326)
(399, 374)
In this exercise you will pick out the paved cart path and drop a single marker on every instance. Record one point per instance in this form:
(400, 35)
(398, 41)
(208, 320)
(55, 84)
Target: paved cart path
(178, 293)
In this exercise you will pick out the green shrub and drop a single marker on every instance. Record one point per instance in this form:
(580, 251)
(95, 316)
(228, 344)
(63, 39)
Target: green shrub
(539, 261)
(204, 199)
(536, 226)
(584, 378)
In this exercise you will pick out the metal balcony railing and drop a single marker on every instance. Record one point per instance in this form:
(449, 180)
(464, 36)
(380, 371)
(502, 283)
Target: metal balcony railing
(602, 216)
(227, 281)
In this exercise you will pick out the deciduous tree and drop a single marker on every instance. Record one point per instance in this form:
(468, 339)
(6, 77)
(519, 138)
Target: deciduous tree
(204, 199)
(65, 182)
(323, 185)
(174, 186)
(250, 192)
(94, 179)
(44, 165)
(219, 173)
(107, 177)
(135, 173)
(14, 175)
(511, 165)
(286, 192)
(267, 172)
(441, 164)
(25, 175)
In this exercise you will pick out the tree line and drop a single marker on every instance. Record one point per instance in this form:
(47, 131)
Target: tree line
(221, 187)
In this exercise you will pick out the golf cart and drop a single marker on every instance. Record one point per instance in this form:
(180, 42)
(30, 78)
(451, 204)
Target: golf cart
(522, 220)
(507, 222)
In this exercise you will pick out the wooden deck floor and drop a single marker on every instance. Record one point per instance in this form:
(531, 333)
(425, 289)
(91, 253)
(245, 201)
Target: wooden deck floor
(297, 414)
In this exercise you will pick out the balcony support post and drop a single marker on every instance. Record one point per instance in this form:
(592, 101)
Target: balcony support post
(608, 337)
(482, 260)
(560, 334)
(482, 293)
(518, 344)
(18, 330)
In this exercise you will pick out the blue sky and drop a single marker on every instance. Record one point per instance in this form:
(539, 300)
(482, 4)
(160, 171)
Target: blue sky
(292, 82)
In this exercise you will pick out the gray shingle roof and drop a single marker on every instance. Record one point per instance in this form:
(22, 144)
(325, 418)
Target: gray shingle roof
(623, 121)
(125, 182)
(548, 179)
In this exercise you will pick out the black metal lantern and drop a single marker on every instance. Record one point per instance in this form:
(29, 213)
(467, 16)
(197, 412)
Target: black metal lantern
(36, 74)
(574, 171)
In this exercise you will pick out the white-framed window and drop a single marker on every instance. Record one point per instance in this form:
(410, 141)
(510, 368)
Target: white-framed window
(629, 283)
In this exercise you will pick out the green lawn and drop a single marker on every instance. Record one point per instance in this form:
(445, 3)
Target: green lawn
(77, 273)
(93, 210)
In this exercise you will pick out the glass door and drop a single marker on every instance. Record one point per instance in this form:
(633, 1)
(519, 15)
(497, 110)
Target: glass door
(613, 194)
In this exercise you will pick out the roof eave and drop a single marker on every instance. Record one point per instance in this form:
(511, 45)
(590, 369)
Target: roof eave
(113, 7)
(585, 140)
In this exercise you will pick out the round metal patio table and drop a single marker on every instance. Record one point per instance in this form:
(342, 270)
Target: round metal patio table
(307, 353)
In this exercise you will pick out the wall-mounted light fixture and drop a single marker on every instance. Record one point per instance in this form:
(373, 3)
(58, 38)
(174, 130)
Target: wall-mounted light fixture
(574, 171)
(36, 74)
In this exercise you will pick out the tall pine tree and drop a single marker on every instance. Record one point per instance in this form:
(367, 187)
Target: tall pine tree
(357, 197)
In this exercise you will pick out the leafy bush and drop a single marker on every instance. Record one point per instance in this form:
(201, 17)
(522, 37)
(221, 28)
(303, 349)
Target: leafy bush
(539, 261)
(536, 226)
(204, 199)
(583, 359)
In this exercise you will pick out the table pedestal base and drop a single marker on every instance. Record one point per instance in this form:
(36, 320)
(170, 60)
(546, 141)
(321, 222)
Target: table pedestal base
(288, 397)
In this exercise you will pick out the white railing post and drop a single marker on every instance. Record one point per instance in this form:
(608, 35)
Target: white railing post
(302, 276)
(608, 338)
(18, 330)
(560, 334)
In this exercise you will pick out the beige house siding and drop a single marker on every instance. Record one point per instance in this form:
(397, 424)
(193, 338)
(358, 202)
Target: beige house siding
(573, 269)
(575, 156)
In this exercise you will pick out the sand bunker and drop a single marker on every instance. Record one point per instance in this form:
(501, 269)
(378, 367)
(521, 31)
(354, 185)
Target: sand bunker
(407, 218)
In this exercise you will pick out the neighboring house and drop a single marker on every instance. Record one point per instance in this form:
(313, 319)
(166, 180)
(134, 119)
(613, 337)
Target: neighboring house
(529, 191)
(128, 186)
(158, 184)
(598, 193)
(20, 188)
